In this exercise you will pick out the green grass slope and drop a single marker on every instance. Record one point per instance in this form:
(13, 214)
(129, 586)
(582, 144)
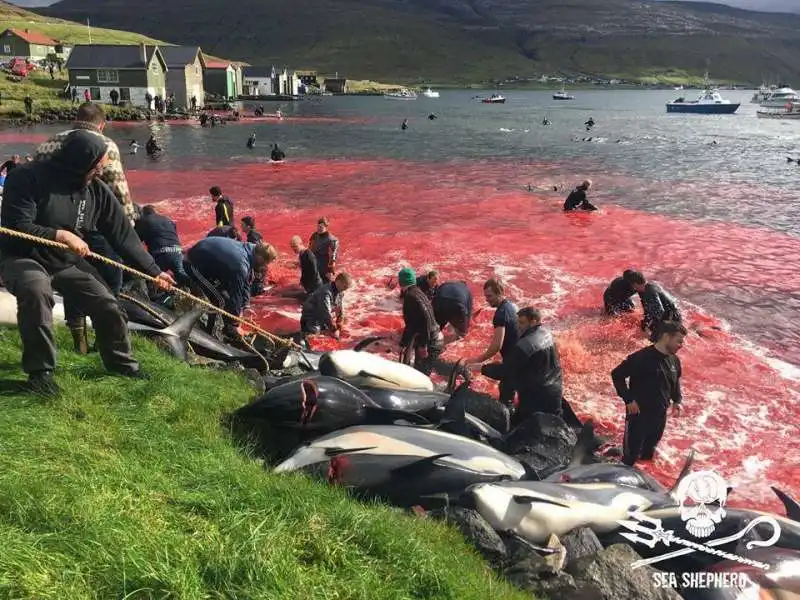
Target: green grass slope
(133, 490)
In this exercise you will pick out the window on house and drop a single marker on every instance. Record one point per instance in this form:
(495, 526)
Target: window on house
(154, 66)
(125, 94)
(6, 49)
(95, 93)
(107, 76)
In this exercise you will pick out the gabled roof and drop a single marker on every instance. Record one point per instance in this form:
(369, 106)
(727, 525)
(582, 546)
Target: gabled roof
(32, 37)
(217, 64)
(258, 71)
(177, 57)
(110, 56)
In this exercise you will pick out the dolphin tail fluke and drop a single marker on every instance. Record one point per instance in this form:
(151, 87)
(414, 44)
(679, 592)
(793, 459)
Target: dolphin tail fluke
(458, 369)
(388, 416)
(584, 446)
(687, 466)
(177, 334)
(792, 506)
(368, 342)
(418, 467)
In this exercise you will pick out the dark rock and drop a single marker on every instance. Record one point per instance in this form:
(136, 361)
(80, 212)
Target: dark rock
(611, 576)
(476, 530)
(579, 543)
(488, 410)
(543, 441)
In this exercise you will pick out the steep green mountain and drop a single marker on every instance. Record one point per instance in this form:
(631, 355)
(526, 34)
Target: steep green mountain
(470, 40)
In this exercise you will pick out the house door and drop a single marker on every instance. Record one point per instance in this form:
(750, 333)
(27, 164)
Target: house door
(231, 84)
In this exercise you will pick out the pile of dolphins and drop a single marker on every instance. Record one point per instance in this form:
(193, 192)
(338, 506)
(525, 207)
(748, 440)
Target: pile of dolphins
(384, 431)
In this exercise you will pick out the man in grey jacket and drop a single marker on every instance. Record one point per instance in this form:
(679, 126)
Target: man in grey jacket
(323, 311)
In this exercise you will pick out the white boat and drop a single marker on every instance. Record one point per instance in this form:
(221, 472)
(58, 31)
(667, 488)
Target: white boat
(781, 97)
(494, 99)
(790, 111)
(563, 95)
(678, 88)
(762, 94)
(429, 93)
(403, 94)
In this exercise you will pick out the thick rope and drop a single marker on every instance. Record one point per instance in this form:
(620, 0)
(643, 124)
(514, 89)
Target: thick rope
(263, 332)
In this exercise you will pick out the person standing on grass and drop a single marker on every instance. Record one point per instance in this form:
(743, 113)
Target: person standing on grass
(648, 381)
(28, 101)
(56, 199)
(87, 96)
(92, 119)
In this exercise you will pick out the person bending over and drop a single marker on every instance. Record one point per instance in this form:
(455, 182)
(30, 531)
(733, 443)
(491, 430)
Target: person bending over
(324, 309)
(160, 235)
(429, 283)
(657, 305)
(648, 381)
(453, 304)
(617, 298)
(421, 331)
(577, 198)
(54, 199)
(504, 338)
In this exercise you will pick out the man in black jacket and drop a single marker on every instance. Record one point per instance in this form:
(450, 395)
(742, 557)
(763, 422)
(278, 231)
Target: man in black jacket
(657, 305)
(324, 309)
(648, 381)
(249, 230)
(55, 199)
(309, 273)
(160, 235)
(577, 198)
(325, 247)
(534, 368)
(617, 297)
(421, 329)
(223, 207)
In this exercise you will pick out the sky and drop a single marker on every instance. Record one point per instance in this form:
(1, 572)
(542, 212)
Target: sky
(768, 5)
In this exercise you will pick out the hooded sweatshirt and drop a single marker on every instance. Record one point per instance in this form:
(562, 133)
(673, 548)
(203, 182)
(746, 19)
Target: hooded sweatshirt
(43, 197)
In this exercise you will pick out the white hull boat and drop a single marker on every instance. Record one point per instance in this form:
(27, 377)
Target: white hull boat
(429, 93)
(401, 95)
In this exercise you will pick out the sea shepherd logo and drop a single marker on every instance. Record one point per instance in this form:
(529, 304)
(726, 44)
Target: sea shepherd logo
(702, 497)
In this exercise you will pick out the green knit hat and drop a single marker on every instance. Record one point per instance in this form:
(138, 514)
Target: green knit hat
(407, 276)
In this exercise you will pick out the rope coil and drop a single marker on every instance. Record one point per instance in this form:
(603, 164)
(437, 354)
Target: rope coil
(212, 307)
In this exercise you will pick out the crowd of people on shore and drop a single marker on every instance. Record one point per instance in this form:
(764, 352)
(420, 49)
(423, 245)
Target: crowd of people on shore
(74, 191)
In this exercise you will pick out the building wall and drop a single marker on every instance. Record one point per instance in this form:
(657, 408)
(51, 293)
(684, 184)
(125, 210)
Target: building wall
(258, 86)
(216, 82)
(12, 46)
(124, 78)
(157, 77)
(194, 82)
(176, 84)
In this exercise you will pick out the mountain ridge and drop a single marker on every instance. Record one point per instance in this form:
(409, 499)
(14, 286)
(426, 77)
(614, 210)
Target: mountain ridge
(472, 40)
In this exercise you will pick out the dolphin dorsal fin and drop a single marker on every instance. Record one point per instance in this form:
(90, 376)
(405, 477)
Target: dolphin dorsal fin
(584, 446)
(177, 334)
(792, 506)
(687, 466)
(418, 466)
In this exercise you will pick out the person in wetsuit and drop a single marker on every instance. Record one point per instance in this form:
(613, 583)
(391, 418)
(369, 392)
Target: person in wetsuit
(309, 274)
(160, 235)
(277, 154)
(657, 305)
(545, 121)
(617, 297)
(223, 207)
(404, 126)
(226, 231)
(429, 283)
(534, 368)
(421, 330)
(452, 303)
(324, 309)
(10, 164)
(258, 286)
(251, 141)
(589, 124)
(504, 338)
(432, 117)
(325, 247)
(577, 198)
(249, 229)
(152, 148)
(648, 381)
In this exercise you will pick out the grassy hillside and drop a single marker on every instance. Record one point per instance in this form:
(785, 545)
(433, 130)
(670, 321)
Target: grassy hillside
(133, 490)
(470, 40)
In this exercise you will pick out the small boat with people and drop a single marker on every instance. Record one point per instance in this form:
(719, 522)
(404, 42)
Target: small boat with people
(401, 94)
(563, 95)
(429, 93)
(780, 97)
(708, 103)
(790, 111)
(494, 99)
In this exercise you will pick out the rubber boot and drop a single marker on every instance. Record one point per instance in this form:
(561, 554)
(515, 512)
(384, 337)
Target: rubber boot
(79, 337)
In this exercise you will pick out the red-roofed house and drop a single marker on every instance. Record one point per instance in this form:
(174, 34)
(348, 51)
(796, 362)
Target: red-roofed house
(223, 78)
(26, 43)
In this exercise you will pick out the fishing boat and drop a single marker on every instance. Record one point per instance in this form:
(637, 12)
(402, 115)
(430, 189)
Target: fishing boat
(780, 97)
(494, 99)
(403, 94)
(790, 111)
(762, 94)
(678, 88)
(563, 95)
(709, 103)
(429, 93)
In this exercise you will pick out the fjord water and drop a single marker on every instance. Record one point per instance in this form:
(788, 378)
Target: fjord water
(716, 223)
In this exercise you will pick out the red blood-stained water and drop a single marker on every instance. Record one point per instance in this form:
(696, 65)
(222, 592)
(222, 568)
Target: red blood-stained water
(466, 220)
(21, 137)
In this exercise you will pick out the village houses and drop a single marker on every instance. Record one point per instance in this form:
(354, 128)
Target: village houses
(35, 46)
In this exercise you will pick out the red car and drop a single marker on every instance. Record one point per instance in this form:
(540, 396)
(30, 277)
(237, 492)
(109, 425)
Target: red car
(20, 67)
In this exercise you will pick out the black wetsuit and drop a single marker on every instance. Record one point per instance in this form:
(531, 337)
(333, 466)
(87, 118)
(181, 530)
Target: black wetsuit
(277, 154)
(617, 297)
(505, 316)
(309, 273)
(658, 306)
(421, 329)
(226, 231)
(535, 371)
(8, 166)
(652, 380)
(223, 211)
(577, 199)
(152, 147)
(251, 141)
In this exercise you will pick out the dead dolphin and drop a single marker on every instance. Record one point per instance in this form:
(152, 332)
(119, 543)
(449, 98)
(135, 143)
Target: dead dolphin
(366, 369)
(404, 465)
(309, 359)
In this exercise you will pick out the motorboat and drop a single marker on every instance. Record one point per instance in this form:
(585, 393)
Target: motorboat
(429, 93)
(494, 99)
(678, 88)
(762, 94)
(781, 97)
(403, 94)
(790, 111)
(563, 95)
(709, 103)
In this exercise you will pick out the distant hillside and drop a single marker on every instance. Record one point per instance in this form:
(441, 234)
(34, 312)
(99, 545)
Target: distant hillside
(469, 40)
